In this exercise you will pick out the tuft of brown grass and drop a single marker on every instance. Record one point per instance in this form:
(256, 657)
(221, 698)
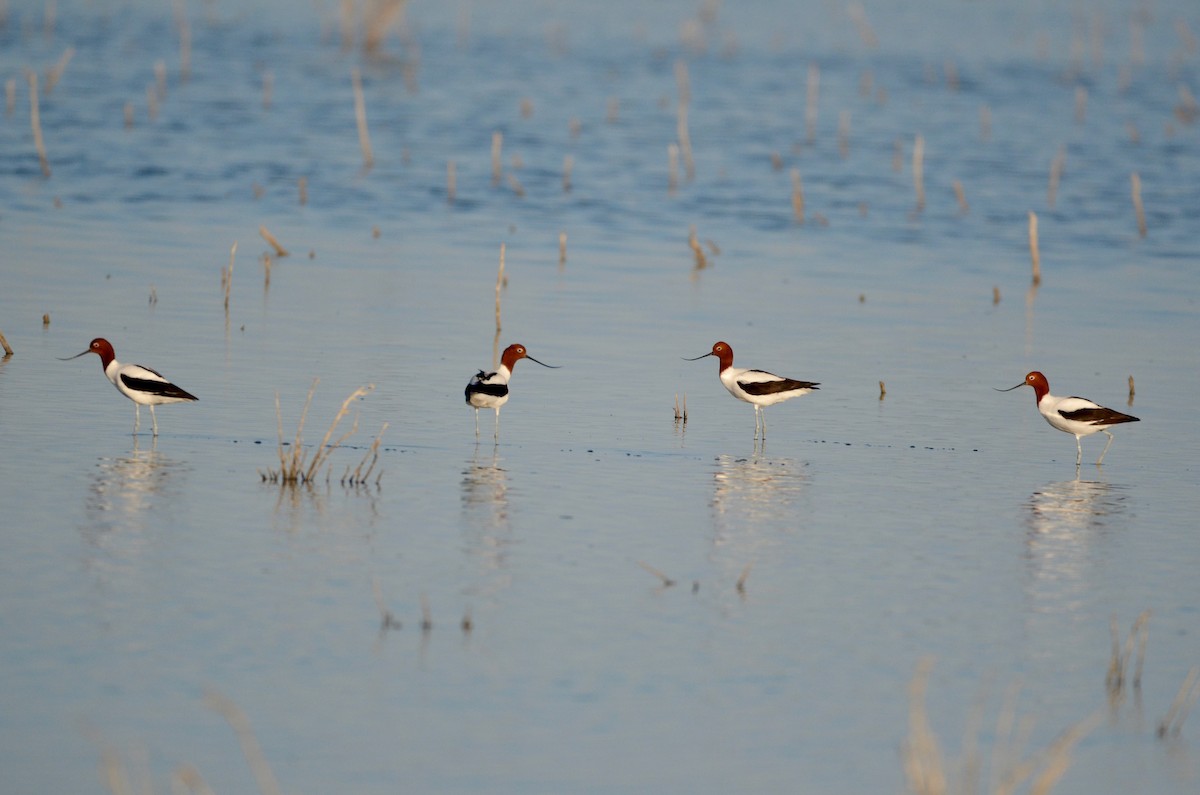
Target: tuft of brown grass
(1118, 666)
(1185, 699)
(236, 718)
(296, 465)
(925, 767)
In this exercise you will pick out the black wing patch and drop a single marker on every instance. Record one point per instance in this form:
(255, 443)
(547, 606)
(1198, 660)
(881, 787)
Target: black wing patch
(160, 388)
(1100, 416)
(774, 387)
(479, 387)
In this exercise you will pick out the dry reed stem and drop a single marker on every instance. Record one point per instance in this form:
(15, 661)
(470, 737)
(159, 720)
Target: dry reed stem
(1185, 699)
(685, 143)
(185, 48)
(1135, 184)
(151, 102)
(682, 82)
(741, 580)
(985, 123)
(1034, 256)
(918, 169)
(666, 581)
(280, 251)
(451, 181)
(568, 165)
(35, 121)
(1057, 165)
(995, 296)
(426, 614)
(302, 188)
(240, 724)
(1131, 390)
(866, 33)
(882, 390)
(961, 197)
(227, 276)
(8, 351)
(499, 285)
(515, 185)
(268, 87)
(562, 249)
(55, 73)
(386, 619)
(672, 168)
(497, 164)
(812, 95)
(697, 249)
(160, 80)
(797, 196)
(360, 116)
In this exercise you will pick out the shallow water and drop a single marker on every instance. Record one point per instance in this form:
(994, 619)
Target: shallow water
(944, 521)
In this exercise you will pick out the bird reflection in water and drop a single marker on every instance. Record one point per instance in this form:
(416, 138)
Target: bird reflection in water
(755, 501)
(1065, 519)
(124, 501)
(487, 526)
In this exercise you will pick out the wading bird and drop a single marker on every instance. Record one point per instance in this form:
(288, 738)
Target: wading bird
(490, 390)
(1075, 415)
(756, 387)
(143, 386)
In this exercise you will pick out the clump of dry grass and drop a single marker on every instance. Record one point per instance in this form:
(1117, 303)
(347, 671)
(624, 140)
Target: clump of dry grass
(300, 465)
(1118, 666)
(926, 769)
(1189, 691)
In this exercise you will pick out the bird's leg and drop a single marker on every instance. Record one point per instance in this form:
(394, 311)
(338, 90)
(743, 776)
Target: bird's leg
(1110, 440)
(1079, 452)
(476, 423)
(137, 418)
(154, 419)
(762, 413)
(756, 422)
(497, 436)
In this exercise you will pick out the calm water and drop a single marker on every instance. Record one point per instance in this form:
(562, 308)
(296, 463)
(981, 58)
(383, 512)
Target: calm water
(945, 521)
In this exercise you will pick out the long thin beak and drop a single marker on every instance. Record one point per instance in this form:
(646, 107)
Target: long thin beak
(698, 358)
(1011, 388)
(76, 356)
(543, 364)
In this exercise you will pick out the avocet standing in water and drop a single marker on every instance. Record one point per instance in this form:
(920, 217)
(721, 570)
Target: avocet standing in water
(1074, 415)
(757, 387)
(490, 390)
(143, 386)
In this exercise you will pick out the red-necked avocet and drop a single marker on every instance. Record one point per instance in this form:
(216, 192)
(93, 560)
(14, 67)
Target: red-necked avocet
(756, 387)
(1075, 415)
(143, 386)
(490, 390)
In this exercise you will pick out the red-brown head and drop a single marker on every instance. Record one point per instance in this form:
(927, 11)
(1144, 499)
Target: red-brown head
(99, 346)
(513, 353)
(1036, 380)
(723, 353)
